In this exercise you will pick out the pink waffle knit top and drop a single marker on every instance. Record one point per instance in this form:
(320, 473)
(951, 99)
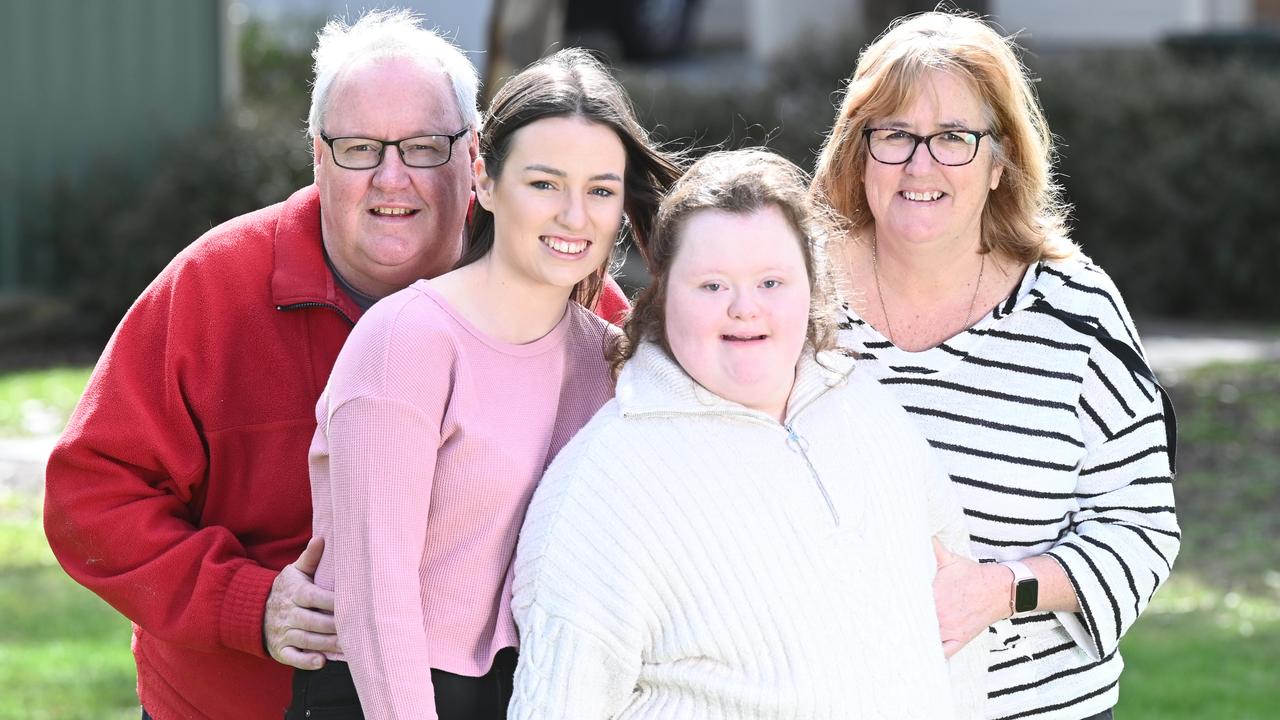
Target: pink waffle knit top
(431, 438)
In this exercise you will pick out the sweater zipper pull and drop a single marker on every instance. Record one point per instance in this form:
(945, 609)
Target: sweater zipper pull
(798, 444)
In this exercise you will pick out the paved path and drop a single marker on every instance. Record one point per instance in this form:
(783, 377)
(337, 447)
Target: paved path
(1173, 350)
(1171, 355)
(22, 464)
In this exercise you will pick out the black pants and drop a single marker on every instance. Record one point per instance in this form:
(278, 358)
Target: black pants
(503, 679)
(330, 694)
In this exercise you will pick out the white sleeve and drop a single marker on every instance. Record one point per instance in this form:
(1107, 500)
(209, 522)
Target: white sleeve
(577, 611)
(968, 667)
(566, 672)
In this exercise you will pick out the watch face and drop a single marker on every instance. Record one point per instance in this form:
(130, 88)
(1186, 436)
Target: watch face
(1026, 596)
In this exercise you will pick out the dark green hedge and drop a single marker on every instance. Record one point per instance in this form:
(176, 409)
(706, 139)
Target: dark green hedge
(125, 229)
(1173, 172)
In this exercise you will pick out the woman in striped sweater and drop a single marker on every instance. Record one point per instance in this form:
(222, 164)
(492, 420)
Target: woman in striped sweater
(1012, 352)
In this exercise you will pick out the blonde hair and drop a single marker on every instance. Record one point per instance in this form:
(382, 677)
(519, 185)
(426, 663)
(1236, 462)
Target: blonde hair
(1025, 216)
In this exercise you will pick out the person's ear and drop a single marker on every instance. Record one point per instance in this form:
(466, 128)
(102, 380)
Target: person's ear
(318, 147)
(484, 184)
(997, 170)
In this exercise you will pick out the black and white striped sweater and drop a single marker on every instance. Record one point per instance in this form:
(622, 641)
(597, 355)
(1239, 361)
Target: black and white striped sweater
(1056, 448)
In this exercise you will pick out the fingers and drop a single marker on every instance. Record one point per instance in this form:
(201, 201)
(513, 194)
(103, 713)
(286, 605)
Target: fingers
(309, 560)
(941, 554)
(951, 647)
(301, 637)
(309, 596)
(310, 642)
(294, 657)
(298, 624)
(298, 590)
(312, 621)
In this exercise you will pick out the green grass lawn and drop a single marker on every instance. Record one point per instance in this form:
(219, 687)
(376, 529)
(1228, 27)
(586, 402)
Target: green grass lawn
(36, 402)
(1198, 653)
(1208, 647)
(63, 652)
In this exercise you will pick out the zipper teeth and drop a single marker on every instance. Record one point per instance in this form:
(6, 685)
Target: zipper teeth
(797, 443)
(311, 304)
(794, 441)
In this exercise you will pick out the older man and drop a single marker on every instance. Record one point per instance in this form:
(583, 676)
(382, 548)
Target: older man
(179, 490)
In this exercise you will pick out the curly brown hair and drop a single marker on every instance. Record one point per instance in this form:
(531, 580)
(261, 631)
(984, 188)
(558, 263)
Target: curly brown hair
(739, 182)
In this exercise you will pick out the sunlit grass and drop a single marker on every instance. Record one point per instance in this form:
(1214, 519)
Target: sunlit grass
(1201, 653)
(1209, 645)
(64, 653)
(38, 402)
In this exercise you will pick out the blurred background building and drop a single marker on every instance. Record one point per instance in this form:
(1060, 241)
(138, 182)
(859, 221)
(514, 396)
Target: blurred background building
(85, 84)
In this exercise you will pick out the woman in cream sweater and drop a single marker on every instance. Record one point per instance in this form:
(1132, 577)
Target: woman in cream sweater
(745, 530)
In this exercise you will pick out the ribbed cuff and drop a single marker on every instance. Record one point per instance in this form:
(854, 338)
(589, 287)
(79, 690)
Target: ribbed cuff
(243, 609)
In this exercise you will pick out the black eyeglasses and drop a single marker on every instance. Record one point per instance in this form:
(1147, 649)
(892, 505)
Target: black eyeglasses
(422, 151)
(892, 146)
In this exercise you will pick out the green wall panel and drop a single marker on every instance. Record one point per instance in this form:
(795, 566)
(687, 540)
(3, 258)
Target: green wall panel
(88, 82)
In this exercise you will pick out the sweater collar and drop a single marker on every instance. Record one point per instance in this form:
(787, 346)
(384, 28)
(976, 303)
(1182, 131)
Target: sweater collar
(1041, 282)
(300, 274)
(652, 383)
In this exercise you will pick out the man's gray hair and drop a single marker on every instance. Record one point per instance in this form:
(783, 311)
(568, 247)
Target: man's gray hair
(388, 34)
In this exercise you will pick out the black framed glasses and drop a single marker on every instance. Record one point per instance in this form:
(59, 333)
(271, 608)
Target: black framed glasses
(421, 151)
(892, 146)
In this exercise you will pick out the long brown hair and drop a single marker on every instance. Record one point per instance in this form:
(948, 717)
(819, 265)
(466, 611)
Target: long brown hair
(739, 182)
(572, 83)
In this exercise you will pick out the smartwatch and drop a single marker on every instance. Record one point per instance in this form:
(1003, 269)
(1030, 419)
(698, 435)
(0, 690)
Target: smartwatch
(1026, 589)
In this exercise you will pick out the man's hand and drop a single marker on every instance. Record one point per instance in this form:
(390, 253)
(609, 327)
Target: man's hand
(298, 626)
(968, 595)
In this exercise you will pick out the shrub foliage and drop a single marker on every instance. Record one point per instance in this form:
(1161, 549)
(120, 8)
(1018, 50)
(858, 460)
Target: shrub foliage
(1171, 169)
(126, 230)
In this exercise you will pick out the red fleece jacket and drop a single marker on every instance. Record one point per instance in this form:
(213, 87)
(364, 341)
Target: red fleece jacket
(180, 487)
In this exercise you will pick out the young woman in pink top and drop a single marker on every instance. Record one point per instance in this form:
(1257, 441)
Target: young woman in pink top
(452, 396)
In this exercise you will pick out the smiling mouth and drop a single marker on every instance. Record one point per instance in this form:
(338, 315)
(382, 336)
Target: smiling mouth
(565, 247)
(742, 338)
(390, 212)
(922, 196)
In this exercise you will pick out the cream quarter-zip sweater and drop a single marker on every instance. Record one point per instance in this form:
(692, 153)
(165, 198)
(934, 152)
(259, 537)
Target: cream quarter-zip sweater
(687, 557)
